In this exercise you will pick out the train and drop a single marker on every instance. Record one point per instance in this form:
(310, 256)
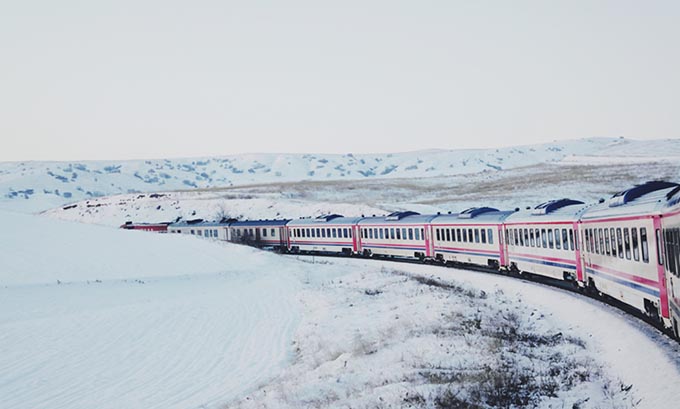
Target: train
(626, 248)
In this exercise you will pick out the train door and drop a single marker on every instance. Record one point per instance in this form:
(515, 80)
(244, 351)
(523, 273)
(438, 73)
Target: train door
(667, 245)
(503, 247)
(356, 239)
(283, 237)
(573, 236)
(429, 242)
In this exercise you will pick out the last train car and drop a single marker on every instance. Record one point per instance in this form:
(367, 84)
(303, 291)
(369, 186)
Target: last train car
(473, 236)
(331, 233)
(544, 240)
(620, 254)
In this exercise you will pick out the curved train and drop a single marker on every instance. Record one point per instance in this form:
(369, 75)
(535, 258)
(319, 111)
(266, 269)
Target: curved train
(626, 248)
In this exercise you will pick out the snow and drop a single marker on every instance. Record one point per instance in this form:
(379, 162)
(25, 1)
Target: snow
(148, 320)
(137, 319)
(370, 334)
(36, 186)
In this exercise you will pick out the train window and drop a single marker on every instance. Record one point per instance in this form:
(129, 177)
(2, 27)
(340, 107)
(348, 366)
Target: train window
(644, 244)
(398, 234)
(476, 235)
(489, 234)
(607, 247)
(328, 232)
(422, 233)
(417, 231)
(515, 237)
(392, 233)
(403, 233)
(308, 233)
(464, 236)
(526, 237)
(531, 237)
(458, 236)
(619, 242)
(551, 240)
(264, 232)
(636, 249)
(626, 241)
(482, 234)
(571, 239)
(410, 234)
(387, 233)
(370, 233)
(438, 234)
(612, 237)
(544, 239)
(470, 235)
(598, 240)
(448, 234)
(659, 251)
(558, 242)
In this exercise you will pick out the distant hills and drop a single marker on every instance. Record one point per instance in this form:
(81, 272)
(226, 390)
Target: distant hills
(37, 186)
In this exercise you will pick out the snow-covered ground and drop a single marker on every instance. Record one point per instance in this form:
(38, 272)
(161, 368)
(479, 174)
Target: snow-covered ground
(404, 335)
(97, 317)
(92, 317)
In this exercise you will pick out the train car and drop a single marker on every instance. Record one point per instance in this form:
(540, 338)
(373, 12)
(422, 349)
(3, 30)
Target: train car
(473, 236)
(544, 240)
(331, 233)
(399, 234)
(153, 227)
(200, 227)
(669, 235)
(620, 254)
(260, 233)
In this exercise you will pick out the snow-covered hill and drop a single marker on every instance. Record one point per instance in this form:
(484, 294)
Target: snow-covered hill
(34, 186)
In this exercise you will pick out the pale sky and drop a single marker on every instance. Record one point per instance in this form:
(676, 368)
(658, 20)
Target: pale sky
(150, 79)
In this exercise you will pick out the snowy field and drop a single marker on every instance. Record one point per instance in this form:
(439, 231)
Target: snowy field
(404, 335)
(92, 317)
(97, 317)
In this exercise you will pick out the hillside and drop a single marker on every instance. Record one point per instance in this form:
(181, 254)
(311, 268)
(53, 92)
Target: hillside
(35, 186)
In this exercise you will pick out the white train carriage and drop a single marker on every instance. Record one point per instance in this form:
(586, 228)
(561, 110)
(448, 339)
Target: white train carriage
(472, 236)
(544, 240)
(399, 234)
(669, 235)
(620, 254)
(260, 233)
(201, 228)
(327, 233)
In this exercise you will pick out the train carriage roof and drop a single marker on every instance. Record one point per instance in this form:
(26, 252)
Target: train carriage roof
(259, 223)
(473, 215)
(396, 218)
(558, 210)
(196, 223)
(647, 198)
(324, 220)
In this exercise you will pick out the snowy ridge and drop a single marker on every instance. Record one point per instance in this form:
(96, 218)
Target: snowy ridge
(37, 186)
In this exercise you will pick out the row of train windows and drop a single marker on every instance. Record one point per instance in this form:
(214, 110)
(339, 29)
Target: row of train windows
(253, 232)
(671, 240)
(323, 232)
(618, 242)
(208, 233)
(560, 239)
(391, 233)
(465, 235)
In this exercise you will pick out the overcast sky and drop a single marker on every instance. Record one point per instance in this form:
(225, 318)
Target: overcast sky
(150, 79)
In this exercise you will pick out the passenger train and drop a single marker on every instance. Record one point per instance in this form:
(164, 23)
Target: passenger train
(626, 248)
